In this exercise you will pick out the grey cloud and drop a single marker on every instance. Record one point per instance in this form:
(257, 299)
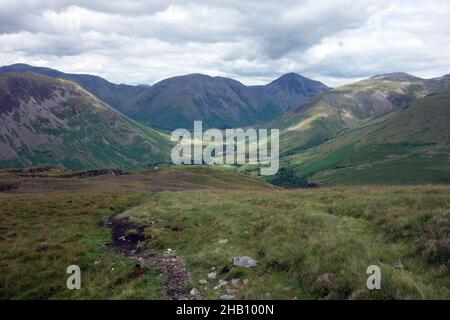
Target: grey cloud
(145, 41)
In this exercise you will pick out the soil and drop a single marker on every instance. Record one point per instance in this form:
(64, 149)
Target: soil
(126, 238)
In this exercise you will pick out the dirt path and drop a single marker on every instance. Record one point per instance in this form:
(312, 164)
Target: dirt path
(125, 239)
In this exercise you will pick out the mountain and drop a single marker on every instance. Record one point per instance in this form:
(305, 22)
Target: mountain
(410, 145)
(116, 95)
(219, 102)
(290, 90)
(331, 112)
(54, 121)
(176, 102)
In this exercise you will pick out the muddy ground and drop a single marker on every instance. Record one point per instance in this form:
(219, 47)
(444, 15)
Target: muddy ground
(127, 240)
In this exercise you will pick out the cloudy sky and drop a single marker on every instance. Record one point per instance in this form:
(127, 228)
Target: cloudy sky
(253, 41)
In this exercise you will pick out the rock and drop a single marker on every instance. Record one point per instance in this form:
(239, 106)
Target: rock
(245, 282)
(195, 292)
(203, 281)
(244, 261)
(398, 265)
(227, 297)
(223, 241)
(236, 283)
(212, 275)
(223, 283)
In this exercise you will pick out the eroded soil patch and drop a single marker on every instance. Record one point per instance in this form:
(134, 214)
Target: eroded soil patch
(126, 238)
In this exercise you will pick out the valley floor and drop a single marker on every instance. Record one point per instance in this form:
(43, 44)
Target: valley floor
(309, 244)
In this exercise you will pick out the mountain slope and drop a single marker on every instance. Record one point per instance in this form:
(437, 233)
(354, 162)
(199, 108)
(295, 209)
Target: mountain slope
(219, 102)
(178, 101)
(411, 145)
(116, 95)
(53, 121)
(331, 112)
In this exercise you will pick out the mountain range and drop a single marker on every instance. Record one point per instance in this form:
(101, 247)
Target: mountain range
(314, 123)
(390, 128)
(176, 102)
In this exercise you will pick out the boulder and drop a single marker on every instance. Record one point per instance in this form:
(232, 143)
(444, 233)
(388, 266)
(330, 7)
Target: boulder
(244, 261)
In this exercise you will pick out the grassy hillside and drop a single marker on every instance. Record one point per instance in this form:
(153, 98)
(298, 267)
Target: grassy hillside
(50, 221)
(342, 108)
(406, 146)
(53, 121)
(309, 244)
(116, 95)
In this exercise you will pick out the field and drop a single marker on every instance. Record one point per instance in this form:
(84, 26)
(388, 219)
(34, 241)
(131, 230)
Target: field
(309, 243)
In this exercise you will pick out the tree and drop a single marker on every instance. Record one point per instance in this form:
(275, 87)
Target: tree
(288, 179)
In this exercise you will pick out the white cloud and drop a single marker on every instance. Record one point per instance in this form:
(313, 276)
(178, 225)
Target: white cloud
(252, 41)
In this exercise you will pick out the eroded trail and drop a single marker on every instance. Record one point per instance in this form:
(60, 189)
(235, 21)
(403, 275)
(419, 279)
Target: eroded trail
(126, 238)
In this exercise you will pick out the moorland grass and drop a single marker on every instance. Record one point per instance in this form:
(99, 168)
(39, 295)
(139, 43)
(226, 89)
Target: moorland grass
(309, 244)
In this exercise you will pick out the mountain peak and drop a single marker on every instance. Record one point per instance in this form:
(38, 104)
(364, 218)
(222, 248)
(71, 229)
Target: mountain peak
(291, 76)
(297, 81)
(197, 75)
(23, 67)
(396, 76)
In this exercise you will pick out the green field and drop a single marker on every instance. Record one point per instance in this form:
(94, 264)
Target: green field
(309, 244)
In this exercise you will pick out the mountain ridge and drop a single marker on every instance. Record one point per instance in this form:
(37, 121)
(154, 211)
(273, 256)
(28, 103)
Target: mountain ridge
(111, 93)
(333, 111)
(409, 145)
(56, 121)
(217, 101)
